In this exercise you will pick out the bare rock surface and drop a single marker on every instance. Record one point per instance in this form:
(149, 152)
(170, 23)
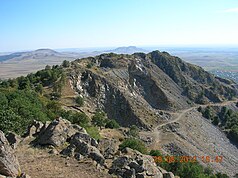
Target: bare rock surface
(58, 132)
(9, 165)
(196, 136)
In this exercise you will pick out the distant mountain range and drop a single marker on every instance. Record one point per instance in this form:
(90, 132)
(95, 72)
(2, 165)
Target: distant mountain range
(40, 54)
(47, 54)
(22, 63)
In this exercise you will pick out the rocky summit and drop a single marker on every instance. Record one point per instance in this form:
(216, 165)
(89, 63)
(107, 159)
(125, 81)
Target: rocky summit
(132, 88)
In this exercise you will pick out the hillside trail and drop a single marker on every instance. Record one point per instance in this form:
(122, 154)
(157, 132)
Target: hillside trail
(155, 134)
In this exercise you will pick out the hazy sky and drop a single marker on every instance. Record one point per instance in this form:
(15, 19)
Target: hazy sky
(32, 24)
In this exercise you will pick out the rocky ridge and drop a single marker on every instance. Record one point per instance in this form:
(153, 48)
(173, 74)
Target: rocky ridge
(133, 89)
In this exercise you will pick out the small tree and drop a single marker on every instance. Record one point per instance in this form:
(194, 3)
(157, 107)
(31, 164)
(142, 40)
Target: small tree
(47, 67)
(39, 88)
(134, 131)
(155, 153)
(66, 63)
(134, 144)
(112, 124)
(89, 65)
(80, 101)
(215, 120)
(99, 119)
(80, 119)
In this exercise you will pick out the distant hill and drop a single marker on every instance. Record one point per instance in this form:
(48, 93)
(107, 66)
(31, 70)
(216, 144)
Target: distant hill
(127, 50)
(22, 63)
(40, 54)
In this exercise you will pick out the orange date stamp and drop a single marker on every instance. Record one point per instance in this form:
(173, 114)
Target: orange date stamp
(188, 159)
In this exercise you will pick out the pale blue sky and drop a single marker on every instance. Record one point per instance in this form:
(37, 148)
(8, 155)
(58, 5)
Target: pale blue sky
(32, 24)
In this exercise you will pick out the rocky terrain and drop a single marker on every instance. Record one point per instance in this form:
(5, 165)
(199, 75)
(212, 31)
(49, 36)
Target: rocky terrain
(133, 88)
(157, 93)
(82, 157)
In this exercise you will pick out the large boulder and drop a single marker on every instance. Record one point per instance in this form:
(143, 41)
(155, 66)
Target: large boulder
(108, 147)
(134, 164)
(58, 132)
(9, 165)
(81, 145)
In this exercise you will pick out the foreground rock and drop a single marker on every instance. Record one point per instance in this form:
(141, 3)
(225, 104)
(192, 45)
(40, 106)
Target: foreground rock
(82, 145)
(58, 132)
(134, 164)
(35, 128)
(9, 165)
(108, 147)
(13, 139)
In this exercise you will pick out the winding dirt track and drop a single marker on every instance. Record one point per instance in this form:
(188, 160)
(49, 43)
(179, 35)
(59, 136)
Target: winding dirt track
(183, 112)
(155, 134)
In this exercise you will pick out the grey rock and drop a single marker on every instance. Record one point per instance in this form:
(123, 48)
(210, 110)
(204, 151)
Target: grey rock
(80, 136)
(80, 144)
(34, 129)
(138, 168)
(9, 165)
(78, 156)
(129, 173)
(108, 147)
(94, 142)
(81, 147)
(135, 162)
(120, 162)
(13, 139)
(96, 155)
(69, 151)
(57, 133)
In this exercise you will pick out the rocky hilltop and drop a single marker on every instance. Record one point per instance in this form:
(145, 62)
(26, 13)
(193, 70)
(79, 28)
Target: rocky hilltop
(106, 116)
(133, 88)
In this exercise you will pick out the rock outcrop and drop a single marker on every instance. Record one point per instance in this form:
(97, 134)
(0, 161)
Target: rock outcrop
(132, 89)
(9, 165)
(58, 132)
(134, 164)
(81, 145)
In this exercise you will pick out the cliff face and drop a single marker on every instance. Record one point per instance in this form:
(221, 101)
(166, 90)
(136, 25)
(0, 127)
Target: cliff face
(133, 88)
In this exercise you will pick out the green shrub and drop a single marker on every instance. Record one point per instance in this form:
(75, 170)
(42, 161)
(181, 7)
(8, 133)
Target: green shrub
(215, 120)
(80, 101)
(233, 134)
(80, 119)
(89, 65)
(19, 108)
(66, 63)
(112, 124)
(93, 132)
(99, 119)
(134, 144)
(155, 153)
(134, 131)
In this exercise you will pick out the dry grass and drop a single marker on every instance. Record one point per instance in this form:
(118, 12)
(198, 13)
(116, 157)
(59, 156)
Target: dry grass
(38, 163)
